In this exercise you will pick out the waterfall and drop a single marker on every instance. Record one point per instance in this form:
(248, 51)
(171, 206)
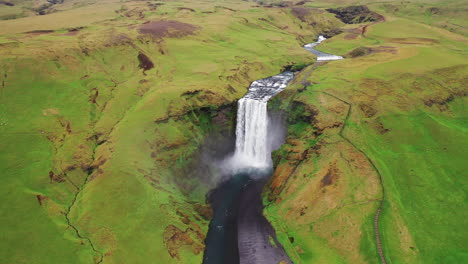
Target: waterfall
(252, 145)
(251, 132)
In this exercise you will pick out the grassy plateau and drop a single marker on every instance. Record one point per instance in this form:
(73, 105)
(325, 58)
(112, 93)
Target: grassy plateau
(105, 106)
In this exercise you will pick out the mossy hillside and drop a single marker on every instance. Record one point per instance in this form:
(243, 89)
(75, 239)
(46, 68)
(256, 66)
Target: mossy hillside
(447, 15)
(319, 183)
(408, 117)
(108, 175)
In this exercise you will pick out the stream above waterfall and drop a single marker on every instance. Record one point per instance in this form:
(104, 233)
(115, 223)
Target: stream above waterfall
(321, 56)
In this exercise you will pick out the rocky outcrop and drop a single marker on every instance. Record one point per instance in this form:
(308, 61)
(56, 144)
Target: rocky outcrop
(355, 14)
(145, 62)
(6, 3)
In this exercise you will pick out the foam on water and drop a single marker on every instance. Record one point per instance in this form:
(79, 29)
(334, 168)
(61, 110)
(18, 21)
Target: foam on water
(321, 56)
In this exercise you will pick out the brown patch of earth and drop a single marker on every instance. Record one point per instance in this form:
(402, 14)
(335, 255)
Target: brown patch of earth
(174, 239)
(184, 218)
(186, 9)
(301, 13)
(205, 211)
(39, 32)
(41, 198)
(362, 51)
(379, 127)
(145, 62)
(279, 179)
(331, 33)
(351, 36)
(50, 111)
(72, 31)
(94, 95)
(376, 86)
(355, 14)
(353, 33)
(167, 28)
(330, 177)
(55, 177)
(225, 8)
(368, 110)
(301, 3)
(154, 6)
(358, 52)
(388, 49)
(6, 3)
(413, 40)
(441, 102)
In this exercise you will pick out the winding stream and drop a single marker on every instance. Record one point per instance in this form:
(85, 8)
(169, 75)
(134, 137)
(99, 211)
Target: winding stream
(238, 232)
(321, 56)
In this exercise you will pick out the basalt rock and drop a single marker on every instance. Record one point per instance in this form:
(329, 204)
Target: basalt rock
(355, 14)
(145, 62)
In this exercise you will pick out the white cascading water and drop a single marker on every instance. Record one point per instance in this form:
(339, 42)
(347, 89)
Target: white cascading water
(252, 145)
(252, 148)
(321, 56)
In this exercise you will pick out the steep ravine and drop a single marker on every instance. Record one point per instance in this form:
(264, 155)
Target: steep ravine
(239, 232)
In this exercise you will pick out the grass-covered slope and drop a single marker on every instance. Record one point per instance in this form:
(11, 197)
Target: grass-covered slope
(103, 107)
(387, 123)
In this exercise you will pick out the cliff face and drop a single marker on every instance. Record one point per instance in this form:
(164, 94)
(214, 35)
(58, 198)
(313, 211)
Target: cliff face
(355, 14)
(105, 119)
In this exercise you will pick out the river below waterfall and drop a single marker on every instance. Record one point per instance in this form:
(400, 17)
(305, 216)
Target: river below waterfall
(239, 232)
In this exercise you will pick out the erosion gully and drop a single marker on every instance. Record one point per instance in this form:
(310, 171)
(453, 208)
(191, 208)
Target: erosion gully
(239, 232)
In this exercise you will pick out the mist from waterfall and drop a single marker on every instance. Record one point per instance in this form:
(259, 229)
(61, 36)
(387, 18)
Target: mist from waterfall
(254, 130)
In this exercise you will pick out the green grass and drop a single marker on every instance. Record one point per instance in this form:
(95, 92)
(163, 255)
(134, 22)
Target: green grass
(424, 166)
(421, 156)
(50, 123)
(139, 179)
(27, 160)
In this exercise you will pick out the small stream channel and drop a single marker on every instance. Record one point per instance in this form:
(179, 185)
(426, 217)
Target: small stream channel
(239, 232)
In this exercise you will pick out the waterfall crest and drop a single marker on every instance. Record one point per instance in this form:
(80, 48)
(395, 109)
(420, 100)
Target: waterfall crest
(252, 145)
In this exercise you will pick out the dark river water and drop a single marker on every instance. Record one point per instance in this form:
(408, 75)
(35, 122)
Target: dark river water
(239, 233)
